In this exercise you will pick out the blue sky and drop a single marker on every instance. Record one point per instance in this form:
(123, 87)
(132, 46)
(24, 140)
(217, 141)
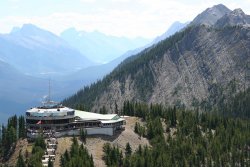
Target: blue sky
(130, 18)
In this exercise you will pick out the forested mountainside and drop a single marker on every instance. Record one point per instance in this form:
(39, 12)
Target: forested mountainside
(199, 66)
(184, 138)
(177, 137)
(237, 106)
(190, 67)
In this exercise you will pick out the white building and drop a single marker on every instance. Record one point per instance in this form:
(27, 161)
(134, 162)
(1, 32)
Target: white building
(58, 120)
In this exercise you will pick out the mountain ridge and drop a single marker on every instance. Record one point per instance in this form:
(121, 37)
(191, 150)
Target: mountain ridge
(190, 68)
(211, 15)
(109, 47)
(34, 51)
(174, 27)
(31, 89)
(233, 18)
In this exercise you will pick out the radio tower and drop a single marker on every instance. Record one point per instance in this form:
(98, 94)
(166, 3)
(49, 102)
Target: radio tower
(49, 96)
(49, 92)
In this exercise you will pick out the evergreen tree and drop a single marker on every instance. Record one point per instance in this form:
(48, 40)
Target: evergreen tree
(39, 142)
(83, 135)
(201, 139)
(136, 127)
(128, 150)
(116, 108)
(50, 163)
(78, 156)
(103, 110)
(20, 161)
(21, 127)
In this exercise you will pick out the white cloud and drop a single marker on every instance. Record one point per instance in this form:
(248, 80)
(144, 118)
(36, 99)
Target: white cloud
(147, 18)
(14, 0)
(87, 1)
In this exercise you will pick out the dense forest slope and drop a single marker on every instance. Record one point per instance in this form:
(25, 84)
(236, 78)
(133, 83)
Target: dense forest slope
(201, 65)
(194, 138)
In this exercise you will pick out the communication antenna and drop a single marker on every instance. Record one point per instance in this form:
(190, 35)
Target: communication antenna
(49, 92)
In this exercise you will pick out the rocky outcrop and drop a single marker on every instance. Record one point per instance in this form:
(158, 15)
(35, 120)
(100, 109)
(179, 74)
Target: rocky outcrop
(191, 70)
(211, 15)
(236, 17)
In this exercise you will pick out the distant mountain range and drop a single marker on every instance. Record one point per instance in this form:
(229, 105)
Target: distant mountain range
(92, 74)
(101, 48)
(29, 56)
(36, 51)
(19, 91)
(175, 27)
(198, 67)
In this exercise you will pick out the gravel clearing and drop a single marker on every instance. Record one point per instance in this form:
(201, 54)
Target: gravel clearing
(95, 143)
(64, 143)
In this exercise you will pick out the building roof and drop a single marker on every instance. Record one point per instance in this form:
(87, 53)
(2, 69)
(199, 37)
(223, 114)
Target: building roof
(112, 121)
(44, 110)
(95, 116)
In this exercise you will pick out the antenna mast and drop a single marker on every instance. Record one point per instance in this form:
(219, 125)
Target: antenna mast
(49, 91)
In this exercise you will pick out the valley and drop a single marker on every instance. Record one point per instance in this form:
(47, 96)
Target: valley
(31, 58)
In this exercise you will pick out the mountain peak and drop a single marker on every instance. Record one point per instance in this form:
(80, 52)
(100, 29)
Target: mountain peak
(25, 27)
(236, 17)
(220, 7)
(15, 29)
(30, 30)
(238, 11)
(211, 15)
(29, 26)
(70, 30)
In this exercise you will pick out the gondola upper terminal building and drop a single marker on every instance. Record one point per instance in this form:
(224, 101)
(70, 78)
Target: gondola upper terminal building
(64, 121)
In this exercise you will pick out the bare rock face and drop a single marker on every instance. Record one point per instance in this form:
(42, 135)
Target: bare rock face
(235, 18)
(211, 15)
(191, 71)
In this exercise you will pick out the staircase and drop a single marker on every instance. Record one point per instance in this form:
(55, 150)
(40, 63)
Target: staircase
(51, 146)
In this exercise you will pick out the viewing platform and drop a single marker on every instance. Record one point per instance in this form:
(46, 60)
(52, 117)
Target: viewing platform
(64, 121)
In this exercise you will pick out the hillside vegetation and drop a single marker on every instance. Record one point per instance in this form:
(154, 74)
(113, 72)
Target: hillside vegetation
(176, 137)
(188, 69)
(180, 137)
(201, 139)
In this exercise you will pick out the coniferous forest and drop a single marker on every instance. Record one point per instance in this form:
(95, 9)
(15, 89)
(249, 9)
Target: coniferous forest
(191, 138)
(181, 137)
(177, 136)
(78, 156)
(14, 130)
